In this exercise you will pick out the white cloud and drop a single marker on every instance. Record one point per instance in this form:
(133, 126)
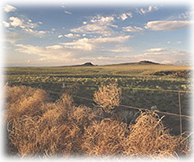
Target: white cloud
(143, 11)
(15, 21)
(9, 8)
(49, 53)
(89, 44)
(167, 25)
(98, 25)
(132, 29)
(124, 16)
(81, 44)
(156, 49)
(25, 24)
(70, 35)
(84, 22)
(35, 32)
(165, 57)
(114, 26)
(110, 39)
(93, 29)
(129, 14)
(13, 37)
(60, 36)
(54, 47)
(68, 54)
(149, 8)
(6, 24)
(102, 20)
(67, 12)
(121, 49)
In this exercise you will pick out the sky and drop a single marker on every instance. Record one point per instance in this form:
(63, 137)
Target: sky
(60, 34)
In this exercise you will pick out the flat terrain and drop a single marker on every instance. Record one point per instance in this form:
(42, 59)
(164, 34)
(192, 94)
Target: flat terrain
(143, 86)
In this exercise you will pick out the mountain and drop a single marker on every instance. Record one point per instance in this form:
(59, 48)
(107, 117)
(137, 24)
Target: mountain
(147, 63)
(144, 62)
(87, 64)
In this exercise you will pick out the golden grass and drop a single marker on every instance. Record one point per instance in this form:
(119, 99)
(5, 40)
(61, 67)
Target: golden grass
(108, 97)
(104, 138)
(24, 101)
(149, 137)
(44, 128)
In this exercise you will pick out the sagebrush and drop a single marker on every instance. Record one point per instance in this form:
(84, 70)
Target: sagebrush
(36, 126)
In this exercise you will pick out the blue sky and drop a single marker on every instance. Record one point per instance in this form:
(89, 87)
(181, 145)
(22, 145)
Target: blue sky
(67, 35)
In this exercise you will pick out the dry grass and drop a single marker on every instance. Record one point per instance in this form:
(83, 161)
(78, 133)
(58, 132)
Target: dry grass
(37, 126)
(104, 138)
(24, 101)
(108, 97)
(149, 137)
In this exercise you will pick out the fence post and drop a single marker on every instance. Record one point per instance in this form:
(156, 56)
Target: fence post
(180, 118)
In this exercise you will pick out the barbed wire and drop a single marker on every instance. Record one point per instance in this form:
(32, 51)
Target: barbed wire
(133, 107)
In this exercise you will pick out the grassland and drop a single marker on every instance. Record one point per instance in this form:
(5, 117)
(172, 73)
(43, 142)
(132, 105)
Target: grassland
(142, 86)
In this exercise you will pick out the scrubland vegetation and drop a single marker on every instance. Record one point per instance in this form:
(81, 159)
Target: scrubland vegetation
(39, 127)
(69, 111)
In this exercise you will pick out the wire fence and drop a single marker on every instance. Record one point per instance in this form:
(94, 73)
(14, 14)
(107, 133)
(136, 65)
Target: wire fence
(180, 115)
(133, 107)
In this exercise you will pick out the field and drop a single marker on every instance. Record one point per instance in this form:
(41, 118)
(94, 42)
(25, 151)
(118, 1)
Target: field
(162, 87)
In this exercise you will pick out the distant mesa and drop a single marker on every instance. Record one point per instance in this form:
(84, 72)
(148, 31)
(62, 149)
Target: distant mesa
(147, 63)
(87, 64)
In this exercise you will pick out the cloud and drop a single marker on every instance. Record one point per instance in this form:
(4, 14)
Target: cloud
(70, 35)
(166, 57)
(87, 44)
(36, 32)
(60, 36)
(143, 11)
(6, 24)
(25, 24)
(13, 37)
(102, 20)
(132, 29)
(121, 49)
(182, 16)
(93, 29)
(15, 21)
(156, 50)
(98, 25)
(167, 25)
(67, 12)
(49, 53)
(81, 44)
(124, 16)
(54, 47)
(9, 8)
(67, 54)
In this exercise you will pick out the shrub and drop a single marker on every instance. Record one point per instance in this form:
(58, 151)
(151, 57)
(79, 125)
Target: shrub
(104, 138)
(108, 97)
(24, 101)
(36, 126)
(149, 137)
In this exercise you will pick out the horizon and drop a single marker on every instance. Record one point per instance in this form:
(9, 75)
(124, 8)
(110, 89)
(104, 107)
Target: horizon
(65, 35)
(82, 64)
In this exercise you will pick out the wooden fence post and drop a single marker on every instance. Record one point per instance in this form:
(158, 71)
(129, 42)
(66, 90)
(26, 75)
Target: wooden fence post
(180, 118)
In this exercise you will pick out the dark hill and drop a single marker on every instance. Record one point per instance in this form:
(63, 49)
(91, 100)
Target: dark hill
(147, 63)
(87, 64)
(136, 63)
